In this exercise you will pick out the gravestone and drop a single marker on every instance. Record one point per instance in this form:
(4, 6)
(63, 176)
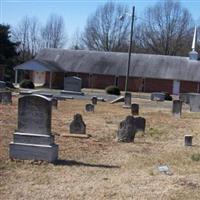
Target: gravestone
(194, 102)
(2, 85)
(127, 100)
(135, 109)
(177, 108)
(157, 96)
(33, 139)
(72, 83)
(140, 123)
(188, 140)
(89, 107)
(94, 100)
(6, 97)
(127, 130)
(78, 126)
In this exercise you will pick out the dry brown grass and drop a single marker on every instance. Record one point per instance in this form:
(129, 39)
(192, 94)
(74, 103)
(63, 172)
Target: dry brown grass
(99, 167)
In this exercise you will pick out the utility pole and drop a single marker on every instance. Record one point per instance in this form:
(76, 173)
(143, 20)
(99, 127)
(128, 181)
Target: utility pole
(130, 48)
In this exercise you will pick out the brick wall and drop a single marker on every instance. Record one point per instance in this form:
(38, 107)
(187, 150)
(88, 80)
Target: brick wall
(188, 86)
(158, 85)
(134, 84)
(57, 80)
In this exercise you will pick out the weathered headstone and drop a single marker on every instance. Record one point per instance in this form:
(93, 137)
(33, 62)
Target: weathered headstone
(72, 83)
(194, 102)
(140, 123)
(188, 140)
(135, 109)
(6, 97)
(2, 85)
(157, 96)
(94, 100)
(127, 100)
(127, 130)
(78, 126)
(177, 108)
(89, 107)
(33, 139)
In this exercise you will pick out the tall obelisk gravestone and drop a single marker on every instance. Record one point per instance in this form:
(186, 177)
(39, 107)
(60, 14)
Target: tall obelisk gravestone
(33, 139)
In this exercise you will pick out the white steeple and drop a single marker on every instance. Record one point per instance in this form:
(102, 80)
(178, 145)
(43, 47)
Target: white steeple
(193, 55)
(194, 39)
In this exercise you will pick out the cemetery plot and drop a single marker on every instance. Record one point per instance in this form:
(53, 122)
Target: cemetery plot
(99, 167)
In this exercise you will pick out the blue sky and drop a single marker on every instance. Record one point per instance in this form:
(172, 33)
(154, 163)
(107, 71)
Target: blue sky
(74, 12)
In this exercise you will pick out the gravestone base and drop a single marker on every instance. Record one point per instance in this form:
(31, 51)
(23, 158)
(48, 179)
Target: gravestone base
(23, 151)
(29, 146)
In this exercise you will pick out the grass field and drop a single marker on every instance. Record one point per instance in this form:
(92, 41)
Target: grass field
(101, 168)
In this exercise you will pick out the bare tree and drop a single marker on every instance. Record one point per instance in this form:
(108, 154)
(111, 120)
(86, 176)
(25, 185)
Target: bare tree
(104, 29)
(165, 29)
(77, 41)
(53, 33)
(27, 33)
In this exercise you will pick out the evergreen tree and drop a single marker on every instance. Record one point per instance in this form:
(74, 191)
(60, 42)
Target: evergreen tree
(8, 54)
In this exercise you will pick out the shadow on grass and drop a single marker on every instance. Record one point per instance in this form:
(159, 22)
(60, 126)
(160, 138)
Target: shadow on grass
(77, 163)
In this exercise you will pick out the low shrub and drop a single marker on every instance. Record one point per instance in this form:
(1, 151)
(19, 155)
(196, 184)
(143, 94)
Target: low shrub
(112, 89)
(168, 97)
(27, 84)
(195, 157)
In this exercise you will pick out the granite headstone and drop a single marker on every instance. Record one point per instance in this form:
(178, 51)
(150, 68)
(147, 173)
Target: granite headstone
(33, 139)
(78, 126)
(177, 108)
(89, 107)
(127, 130)
(72, 83)
(94, 100)
(135, 109)
(127, 100)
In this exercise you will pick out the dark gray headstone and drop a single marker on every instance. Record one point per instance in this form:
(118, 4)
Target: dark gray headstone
(94, 100)
(127, 130)
(72, 84)
(177, 108)
(157, 96)
(78, 126)
(34, 114)
(127, 100)
(140, 123)
(33, 139)
(135, 109)
(188, 140)
(2, 85)
(89, 107)
(6, 97)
